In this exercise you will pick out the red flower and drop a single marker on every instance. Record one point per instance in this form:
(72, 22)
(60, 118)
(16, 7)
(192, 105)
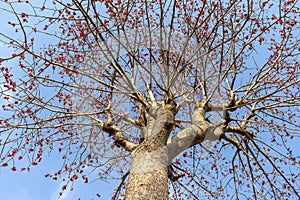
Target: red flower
(4, 164)
(34, 163)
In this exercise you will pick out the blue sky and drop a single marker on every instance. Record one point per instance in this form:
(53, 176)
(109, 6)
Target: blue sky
(34, 186)
(27, 185)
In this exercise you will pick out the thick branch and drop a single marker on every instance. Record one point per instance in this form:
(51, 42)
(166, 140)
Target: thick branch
(194, 134)
(239, 130)
(120, 139)
(231, 105)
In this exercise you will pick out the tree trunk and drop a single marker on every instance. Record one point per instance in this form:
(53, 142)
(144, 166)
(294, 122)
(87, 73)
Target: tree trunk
(148, 177)
(148, 185)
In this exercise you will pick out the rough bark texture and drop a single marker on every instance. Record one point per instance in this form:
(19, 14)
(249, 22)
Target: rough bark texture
(148, 177)
(148, 185)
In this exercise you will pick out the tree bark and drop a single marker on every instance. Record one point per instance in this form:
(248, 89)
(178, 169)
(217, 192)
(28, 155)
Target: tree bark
(148, 177)
(148, 185)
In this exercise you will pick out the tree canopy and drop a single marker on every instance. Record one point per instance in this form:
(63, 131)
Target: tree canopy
(208, 89)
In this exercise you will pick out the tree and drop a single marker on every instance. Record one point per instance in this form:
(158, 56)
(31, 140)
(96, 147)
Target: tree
(179, 99)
